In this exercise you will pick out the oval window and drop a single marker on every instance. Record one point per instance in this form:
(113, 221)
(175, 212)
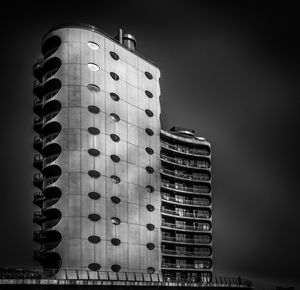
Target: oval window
(116, 268)
(94, 239)
(115, 179)
(93, 45)
(115, 221)
(115, 158)
(114, 97)
(94, 195)
(94, 173)
(149, 188)
(115, 137)
(149, 94)
(150, 246)
(93, 88)
(150, 270)
(149, 150)
(114, 55)
(150, 207)
(149, 131)
(148, 75)
(114, 117)
(149, 169)
(94, 266)
(94, 109)
(114, 76)
(149, 113)
(93, 67)
(115, 199)
(94, 217)
(94, 152)
(115, 242)
(94, 131)
(150, 227)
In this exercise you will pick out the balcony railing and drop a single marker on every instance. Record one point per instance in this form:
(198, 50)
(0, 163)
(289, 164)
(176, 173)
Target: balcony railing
(50, 52)
(185, 201)
(185, 266)
(185, 162)
(186, 150)
(203, 253)
(49, 138)
(50, 116)
(204, 227)
(50, 159)
(183, 175)
(51, 180)
(49, 74)
(202, 240)
(199, 214)
(49, 95)
(198, 189)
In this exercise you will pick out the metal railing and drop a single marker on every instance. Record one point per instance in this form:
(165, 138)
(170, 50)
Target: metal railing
(186, 150)
(50, 116)
(50, 52)
(50, 138)
(188, 163)
(198, 189)
(199, 214)
(202, 253)
(204, 227)
(49, 74)
(186, 240)
(49, 95)
(50, 159)
(183, 175)
(183, 200)
(51, 180)
(185, 266)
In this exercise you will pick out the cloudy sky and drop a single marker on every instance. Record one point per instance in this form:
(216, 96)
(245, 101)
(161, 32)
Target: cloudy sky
(230, 71)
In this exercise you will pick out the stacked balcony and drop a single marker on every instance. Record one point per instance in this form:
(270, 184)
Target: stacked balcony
(186, 209)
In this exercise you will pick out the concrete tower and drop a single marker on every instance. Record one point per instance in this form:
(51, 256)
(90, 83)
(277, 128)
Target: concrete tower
(98, 143)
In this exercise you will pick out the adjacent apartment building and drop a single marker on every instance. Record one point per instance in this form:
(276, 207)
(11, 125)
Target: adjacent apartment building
(115, 193)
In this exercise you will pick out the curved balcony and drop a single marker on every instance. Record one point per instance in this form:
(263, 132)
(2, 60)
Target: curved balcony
(38, 69)
(37, 125)
(181, 175)
(49, 96)
(204, 239)
(51, 45)
(185, 150)
(48, 260)
(37, 107)
(48, 239)
(186, 254)
(50, 180)
(200, 214)
(38, 161)
(182, 200)
(47, 218)
(193, 228)
(194, 267)
(52, 195)
(38, 198)
(38, 89)
(38, 180)
(37, 143)
(192, 164)
(48, 160)
(185, 189)
(50, 116)
(50, 67)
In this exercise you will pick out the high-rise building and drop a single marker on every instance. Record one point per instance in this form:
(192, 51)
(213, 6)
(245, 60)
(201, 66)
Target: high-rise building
(186, 206)
(98, 142)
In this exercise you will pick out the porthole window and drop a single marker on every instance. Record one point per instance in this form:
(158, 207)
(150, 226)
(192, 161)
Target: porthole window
(94, 195)
(94, 239)
(150, 246)
(150, 207)
(149, 131)
(115, 242)
(94, 152)
(116, 268)
(114, 55)
(149, 113)
(149, 150)
(114, 97)
(149, 188)
(149, 169)
(114, 76)
(148, 75)
(115, 221)
(94, 217)
(150, 270)
(93, 67)
(94, 173)
(93, 109)
(115, 199)
(115, 137)
(93, 45)
(94, 266)
(115, 179)
(94, 131)
(149, 94)
(115, 158)
(150, 227)
(93, 88)
(114, 117)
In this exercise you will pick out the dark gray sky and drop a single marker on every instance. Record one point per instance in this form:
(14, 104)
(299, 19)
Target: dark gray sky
(230, 71)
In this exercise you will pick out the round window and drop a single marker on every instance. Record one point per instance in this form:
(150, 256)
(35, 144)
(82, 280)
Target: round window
(115, 221)
(93, 109)
(150, 270)
(115, 158)
(114, 117)
(114, 55)
(93, 88)
(94, 266)
(94, 173)
(149, 94)
(148, 75)
(149, 113)
(93, 67)
(94, 239)
(94, 217)
(93, 45)
(114, 97)
(150, 227)
(149, 131)
(94, 131)
(150, 207)
(149, 150)
(115, 137)
(150, 246)
(115, 242)
(94, 195)
(114, 76)
(94, 152)
(149, 188)
(115, 179)
(150, 170)
(115, 199)
(116, 268)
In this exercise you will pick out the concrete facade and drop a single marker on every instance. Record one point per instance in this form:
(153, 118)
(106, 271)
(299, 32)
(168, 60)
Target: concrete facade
(99, 192)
